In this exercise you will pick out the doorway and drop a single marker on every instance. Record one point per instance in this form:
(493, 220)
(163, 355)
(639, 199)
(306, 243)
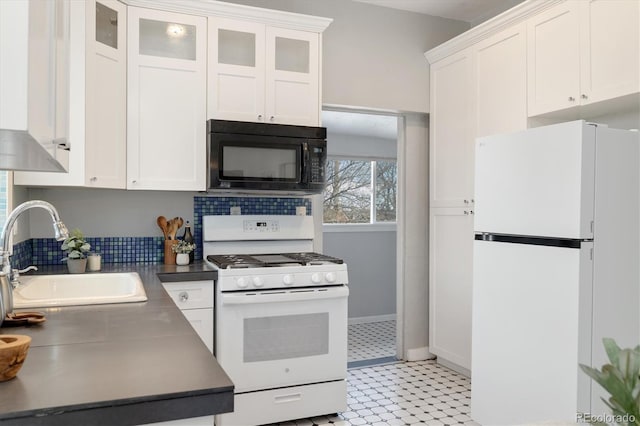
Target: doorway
(359, 225)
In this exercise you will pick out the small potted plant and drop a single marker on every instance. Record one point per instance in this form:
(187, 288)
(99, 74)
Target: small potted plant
(182, 249)
(76, 248)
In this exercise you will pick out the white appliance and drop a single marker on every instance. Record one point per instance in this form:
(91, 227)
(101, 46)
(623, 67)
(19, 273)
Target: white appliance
(555, 268)
(280, 318)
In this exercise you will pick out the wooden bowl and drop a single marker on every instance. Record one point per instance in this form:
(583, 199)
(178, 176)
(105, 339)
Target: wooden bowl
(13, 352)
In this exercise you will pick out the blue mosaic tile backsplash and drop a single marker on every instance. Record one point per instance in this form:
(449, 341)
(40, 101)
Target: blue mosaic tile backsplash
(46, 251)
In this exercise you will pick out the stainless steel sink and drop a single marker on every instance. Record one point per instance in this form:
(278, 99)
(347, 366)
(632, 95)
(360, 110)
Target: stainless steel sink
(78, 289)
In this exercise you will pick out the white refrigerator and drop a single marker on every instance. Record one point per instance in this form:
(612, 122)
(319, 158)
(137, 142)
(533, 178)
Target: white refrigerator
(556, 257)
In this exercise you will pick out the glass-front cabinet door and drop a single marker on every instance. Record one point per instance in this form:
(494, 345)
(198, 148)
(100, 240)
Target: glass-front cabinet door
(166, 105)
(106, 106)
(263, 74)
(292, 77)
(236, 70)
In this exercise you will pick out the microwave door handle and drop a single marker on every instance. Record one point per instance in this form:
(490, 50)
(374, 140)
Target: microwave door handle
(304, 178)
(288, 296)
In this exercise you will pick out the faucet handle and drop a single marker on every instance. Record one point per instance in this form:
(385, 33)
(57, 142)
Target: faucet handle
(15, 274)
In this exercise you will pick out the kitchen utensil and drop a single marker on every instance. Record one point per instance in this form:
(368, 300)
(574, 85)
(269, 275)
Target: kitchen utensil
(12, 354)
(23, 318)
(162, 223)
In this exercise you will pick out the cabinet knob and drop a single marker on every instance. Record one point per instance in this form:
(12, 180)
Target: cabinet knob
(583, 96)
(272, 118)
(260, 117)
(93, 179)
(466, 212)
(183, 296)
(571, 99)
(470, 211)
(134, 181)
(473, 201)
(466, 201)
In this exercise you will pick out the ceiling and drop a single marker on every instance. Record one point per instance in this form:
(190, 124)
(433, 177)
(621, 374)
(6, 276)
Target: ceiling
(472, 11)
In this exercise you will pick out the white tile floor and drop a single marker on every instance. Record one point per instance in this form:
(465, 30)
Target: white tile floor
(404, 393)
(401, 393)
(372, 340)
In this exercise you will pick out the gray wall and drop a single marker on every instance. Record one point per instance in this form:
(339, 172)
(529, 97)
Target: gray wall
(371, 259)
(373, 56)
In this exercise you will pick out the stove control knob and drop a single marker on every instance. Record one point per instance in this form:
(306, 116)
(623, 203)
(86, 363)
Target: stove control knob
(258, 282)
(288, 279)
(315, 278)
(330, 277)
(242, 282)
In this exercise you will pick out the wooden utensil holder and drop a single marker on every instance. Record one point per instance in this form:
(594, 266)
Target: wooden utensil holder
(169, 255)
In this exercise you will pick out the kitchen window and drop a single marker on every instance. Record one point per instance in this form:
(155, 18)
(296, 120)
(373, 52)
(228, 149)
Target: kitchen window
(360, 191)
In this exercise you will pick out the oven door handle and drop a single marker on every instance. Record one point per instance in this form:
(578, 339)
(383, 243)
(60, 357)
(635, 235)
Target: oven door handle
(285, 296)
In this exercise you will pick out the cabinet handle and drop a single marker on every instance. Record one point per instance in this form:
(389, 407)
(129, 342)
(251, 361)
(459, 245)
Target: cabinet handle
(260, 117)
(272, 118)
(466, 212)
(183, 296)
(473, 201)
(571, 99)
(466, 201)
(134, 182)
(93, 179)
(470, 211)
(583, 96)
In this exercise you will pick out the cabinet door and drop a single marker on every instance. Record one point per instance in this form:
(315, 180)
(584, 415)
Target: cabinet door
(450, 284)
(106, 106)
(202, 322)
(236, 70)
(48, 77)
(292, 77)
(501, 82)
(610, 49)
(452, 131)
(166, 101)
(553, 59)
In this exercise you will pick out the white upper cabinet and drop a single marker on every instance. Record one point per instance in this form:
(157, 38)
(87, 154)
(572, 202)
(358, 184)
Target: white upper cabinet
(501, 82)
(262, 73)
(452, 130)
(236, 70)
(610, 49)
(95, 103)
(166, 101)
(105, 109)
(583, 52)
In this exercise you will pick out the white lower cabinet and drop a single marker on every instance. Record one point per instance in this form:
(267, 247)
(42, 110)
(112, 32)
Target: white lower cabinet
(193, 421)
(450, 284)
(195, 300)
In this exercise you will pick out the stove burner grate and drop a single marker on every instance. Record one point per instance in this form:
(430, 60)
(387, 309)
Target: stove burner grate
(228, 261)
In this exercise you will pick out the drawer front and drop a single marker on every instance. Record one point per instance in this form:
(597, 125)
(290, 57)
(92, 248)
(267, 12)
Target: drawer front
(191, 294)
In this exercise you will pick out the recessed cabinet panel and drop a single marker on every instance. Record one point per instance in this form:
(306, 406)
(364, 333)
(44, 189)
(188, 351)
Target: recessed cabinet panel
(450, 284)
(166, 102)
(610, 49)
(236, 48)
(106, 25)
(292, 55)
(553, 59)
(452, 131)
(167, 39)
(238, 94)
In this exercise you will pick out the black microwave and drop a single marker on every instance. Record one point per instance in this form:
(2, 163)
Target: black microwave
(246, 156)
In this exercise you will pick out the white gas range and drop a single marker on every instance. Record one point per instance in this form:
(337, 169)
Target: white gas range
(280, 318)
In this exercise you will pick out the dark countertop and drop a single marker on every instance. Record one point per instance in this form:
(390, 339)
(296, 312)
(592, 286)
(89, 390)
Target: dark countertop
(123, 364)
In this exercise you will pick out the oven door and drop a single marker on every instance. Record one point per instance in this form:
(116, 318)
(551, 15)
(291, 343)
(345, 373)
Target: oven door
(271, 339)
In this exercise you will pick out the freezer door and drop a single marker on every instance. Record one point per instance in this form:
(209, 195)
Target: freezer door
(537, 182)
(531, 329)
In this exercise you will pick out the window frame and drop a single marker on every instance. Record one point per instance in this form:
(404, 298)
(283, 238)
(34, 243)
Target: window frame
(373, 224)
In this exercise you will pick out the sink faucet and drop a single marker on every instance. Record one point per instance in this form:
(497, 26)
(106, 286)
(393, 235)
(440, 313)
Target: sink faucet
(7, 273)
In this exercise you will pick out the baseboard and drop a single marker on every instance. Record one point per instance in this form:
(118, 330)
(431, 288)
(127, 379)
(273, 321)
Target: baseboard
(372, 318)
(455, 367)
(418, 354)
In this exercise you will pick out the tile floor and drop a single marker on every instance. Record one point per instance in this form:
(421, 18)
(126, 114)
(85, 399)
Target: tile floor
(372, 340)
(399, 393)
(404, 393)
